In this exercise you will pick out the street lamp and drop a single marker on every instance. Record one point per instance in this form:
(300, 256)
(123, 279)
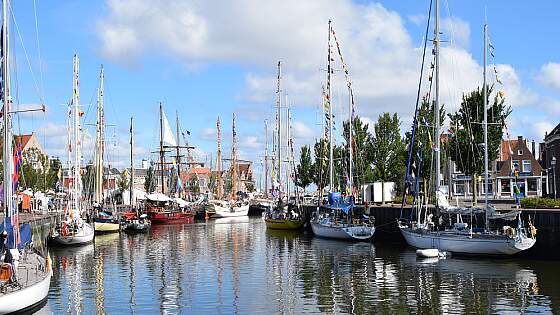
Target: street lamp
(553, 162)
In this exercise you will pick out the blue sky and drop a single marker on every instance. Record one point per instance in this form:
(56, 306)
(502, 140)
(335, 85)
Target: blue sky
(204, 58)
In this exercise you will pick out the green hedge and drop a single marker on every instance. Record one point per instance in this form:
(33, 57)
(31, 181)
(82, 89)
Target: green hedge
(546, 203)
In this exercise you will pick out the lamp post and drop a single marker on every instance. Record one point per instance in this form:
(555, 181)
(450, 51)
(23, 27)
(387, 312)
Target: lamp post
(553, 162)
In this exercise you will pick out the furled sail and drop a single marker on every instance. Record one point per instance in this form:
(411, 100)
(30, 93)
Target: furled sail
(168, 138)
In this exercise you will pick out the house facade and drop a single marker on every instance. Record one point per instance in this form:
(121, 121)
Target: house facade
(550, 156)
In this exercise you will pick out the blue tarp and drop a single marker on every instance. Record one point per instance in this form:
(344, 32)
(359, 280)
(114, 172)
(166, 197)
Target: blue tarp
(24, 233)
(344, 207)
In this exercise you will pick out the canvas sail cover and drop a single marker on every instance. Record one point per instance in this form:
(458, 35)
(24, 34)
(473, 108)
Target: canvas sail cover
(167, 136)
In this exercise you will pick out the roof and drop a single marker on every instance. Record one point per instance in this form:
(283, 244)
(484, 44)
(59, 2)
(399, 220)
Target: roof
(199, 170)
(555, 131)
(505, 147)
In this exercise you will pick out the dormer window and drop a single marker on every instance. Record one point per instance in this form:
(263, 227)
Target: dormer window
(519, 152)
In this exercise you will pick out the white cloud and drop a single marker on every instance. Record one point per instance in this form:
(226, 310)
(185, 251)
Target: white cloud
(208, 134)
(301, 131)
(418, 19)
(458, 31)
(549, 75)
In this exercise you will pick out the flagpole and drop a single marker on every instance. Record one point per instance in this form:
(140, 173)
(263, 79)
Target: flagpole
(8, 171)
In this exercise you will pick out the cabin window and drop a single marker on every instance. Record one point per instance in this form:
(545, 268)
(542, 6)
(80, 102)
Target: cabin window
(527, 166)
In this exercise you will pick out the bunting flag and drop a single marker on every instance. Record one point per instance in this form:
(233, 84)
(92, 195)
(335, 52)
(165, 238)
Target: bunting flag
(346, 72)
(17, 164)
(179, 186)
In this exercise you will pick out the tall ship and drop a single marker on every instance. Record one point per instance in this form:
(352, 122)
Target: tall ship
(340, 218)
(283, 214)
(161, 208)
(25, 268)
(73, 230)
(457, 235)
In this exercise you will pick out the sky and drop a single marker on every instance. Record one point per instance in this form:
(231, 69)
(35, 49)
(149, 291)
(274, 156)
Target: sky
(205, 59)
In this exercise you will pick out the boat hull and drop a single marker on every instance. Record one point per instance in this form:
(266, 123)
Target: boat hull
(28, 299)
(136, 226)
(464, 244)
(84, 236)
(222, 212)
(355, 233)
(283, 224)
(106, 227)
(170, 217)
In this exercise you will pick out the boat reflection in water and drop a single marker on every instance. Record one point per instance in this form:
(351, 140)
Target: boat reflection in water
(225, 266)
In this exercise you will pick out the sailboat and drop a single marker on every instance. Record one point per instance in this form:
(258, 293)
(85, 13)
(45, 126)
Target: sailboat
(104, 221)
(340, 219)
(235, 207)
(459, 238)
(160, 207)
(283, 215)
(73, 230)
(25, 271)
(135, 221)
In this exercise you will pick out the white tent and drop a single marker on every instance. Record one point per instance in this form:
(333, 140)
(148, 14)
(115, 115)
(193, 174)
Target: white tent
(138, 195)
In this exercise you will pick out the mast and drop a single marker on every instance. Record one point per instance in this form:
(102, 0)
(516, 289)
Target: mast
(131, 160)
(219, 162)
(331, 166)
(161, 152)
(436, 103)
(178, 158)
(6, 117)
(98, 185)
(234, 160)
(485, 129)
(278, 131)
(76, 134)
(266, 158)
(350, 149)
(287, 151)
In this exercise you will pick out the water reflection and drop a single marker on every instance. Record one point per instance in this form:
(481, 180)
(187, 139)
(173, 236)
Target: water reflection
(236, 266)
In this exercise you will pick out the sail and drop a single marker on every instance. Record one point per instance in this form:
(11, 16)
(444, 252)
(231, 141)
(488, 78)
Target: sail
(167, 134)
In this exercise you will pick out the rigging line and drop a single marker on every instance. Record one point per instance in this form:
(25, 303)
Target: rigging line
(26, 55)
(416, 109)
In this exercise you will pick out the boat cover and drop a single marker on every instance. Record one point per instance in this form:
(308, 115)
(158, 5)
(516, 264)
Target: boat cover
(344, 207)
(180, 202)
(157, 197)
(492, 213)
(24, 234)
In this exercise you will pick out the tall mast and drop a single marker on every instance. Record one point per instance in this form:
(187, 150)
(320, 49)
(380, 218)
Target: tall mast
(266, 158)
(6, 100)
(331, 166)
(178, 158)
(161, 152)
(219, 162)
(76, 134)
(278, 130)
(234, 159)
(98, 185)
(131, 160)
(484, 89)
(436, 104)
(287, 151)
(350, 149)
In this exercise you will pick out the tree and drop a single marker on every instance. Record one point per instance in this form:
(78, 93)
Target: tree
(194, 187)
(304, 172)
(150, 183)
(124, 181)
(321, 164)
(466, 144)
(362, 145)
(388, 150)
(250, 186)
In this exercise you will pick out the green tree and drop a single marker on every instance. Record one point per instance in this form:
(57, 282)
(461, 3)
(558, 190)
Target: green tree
(150, 183)
(250, 186)
(388, 150)
(305, 171)
(124, 181)
(362, 145)
(466, 145)
(194, 186)
(321, 164)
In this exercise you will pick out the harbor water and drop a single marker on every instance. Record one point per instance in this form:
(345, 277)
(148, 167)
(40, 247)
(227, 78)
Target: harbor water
(237, 266)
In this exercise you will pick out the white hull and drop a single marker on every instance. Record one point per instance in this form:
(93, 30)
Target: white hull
(84, 235)
(106, 227)
(27, 297)
(345, 233)
(464, 244)
(223, 212)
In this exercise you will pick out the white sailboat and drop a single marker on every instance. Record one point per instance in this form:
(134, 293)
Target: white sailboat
(25, 272)
(338, 220)
(235, 207)
(73, 230)
(459, 238)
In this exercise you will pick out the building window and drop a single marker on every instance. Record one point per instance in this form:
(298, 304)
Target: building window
(515, 165)
(519, 152)
(460, 188)
(527, 166)
(532, 184)
(506, 185)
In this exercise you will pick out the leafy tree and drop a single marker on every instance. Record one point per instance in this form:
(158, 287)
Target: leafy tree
(321, 164)
(466, 145)
(388, 150)
(150, 183)
(194, 186)
(305, 171)
(124, 181)
(250, 186)
(362, 145)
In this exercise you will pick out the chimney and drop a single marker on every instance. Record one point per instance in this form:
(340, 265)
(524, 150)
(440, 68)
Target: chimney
(533, 149)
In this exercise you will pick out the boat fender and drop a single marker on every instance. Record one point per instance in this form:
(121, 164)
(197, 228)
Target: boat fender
(533, 230)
